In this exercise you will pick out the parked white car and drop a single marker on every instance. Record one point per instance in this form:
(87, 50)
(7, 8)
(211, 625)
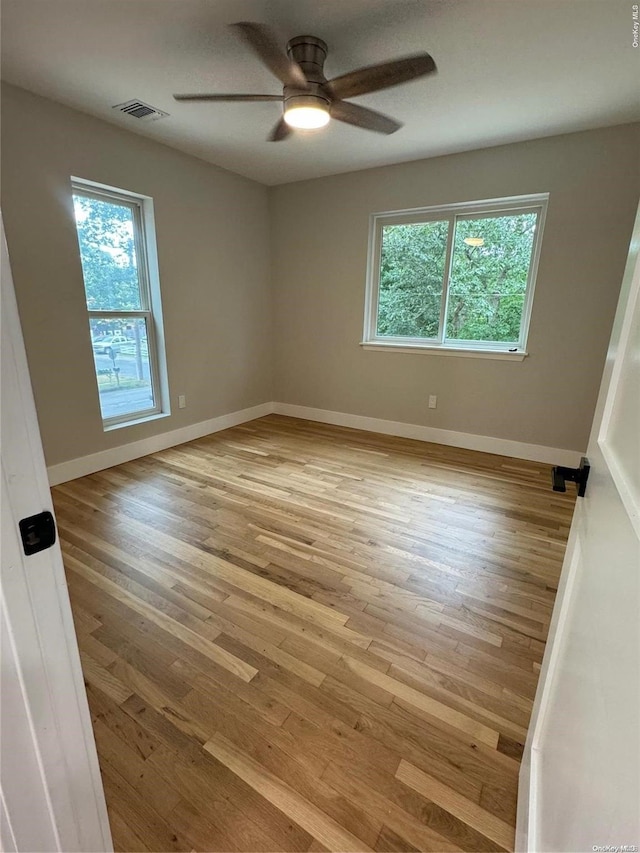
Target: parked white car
(111, 344)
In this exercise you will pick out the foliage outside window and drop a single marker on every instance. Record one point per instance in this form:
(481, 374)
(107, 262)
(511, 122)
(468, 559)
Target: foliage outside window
(459, 277)
(115, 266)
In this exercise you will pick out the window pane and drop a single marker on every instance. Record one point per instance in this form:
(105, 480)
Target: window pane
(411, 274)
(107, 249)
(490, 266)
(123, 371)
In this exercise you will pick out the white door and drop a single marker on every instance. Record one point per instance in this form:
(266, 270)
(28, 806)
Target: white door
(580, 778)
(51, 795)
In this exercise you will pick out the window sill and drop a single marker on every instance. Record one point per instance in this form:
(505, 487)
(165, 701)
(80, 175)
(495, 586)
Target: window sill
(463, 352)
(155, 417)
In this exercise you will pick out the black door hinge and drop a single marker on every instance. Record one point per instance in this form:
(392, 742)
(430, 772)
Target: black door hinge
(579, 476)
(37, 532)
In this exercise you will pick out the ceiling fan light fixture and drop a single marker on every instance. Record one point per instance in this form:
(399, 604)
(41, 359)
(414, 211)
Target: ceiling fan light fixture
(306, 112)
(310, 100)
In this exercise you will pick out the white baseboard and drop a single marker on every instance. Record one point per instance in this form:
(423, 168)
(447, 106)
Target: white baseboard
(487, 444)
(126, 452)
(484, 443)
(528, 812)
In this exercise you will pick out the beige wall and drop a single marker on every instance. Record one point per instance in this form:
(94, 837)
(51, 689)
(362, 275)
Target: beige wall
(232, 253)
(213, 249)
(320, 232)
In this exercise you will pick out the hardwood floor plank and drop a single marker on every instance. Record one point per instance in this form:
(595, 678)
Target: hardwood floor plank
(477, 708)
(177, 748)
(288, 686)
(135, 770)
(469, 812)
(84, 622)
(300, 637)
(150, 692)
(461, 763)
(104, 679)
(214, 682)
(323, 828)
(415, 699)
(389, 842)
(124, 838)
(200, 831)
(399, 820)
(229, 820)
(96, 650)
(340, 744)
(192, 638)
(335, 637)
(136, 737)
(142, 818)
(295, 761)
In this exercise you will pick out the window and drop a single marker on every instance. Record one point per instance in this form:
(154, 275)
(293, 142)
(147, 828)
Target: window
(458, 278)
(123, 307)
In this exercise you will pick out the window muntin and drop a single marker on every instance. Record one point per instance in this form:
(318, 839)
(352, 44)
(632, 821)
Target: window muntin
(455, 277)
(113, 252)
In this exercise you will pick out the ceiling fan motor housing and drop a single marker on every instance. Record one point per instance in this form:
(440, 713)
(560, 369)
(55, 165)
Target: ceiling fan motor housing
(310, 53)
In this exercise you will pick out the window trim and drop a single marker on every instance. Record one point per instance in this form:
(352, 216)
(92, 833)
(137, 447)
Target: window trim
(537, 202)
(150, 310)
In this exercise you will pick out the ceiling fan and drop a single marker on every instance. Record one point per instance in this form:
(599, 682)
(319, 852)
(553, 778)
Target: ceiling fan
(309, 100)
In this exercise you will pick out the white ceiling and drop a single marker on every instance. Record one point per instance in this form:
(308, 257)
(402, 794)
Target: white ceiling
(508, 70)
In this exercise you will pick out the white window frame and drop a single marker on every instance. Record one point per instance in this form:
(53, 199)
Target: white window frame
(151, 307)
(515, 350)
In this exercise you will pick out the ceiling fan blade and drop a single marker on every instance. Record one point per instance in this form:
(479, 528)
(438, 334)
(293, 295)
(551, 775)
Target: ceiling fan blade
(263, 43)
(280, 131)
(375, 77)
(363, 117)
(227, 97)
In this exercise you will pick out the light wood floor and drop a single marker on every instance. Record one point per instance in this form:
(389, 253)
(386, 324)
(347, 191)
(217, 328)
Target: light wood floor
(302, 637)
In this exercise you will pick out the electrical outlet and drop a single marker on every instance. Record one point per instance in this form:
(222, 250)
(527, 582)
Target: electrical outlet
(182, 401)
(433, 401)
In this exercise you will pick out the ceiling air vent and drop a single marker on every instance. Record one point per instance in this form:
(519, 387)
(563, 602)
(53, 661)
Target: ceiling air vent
(140, 110)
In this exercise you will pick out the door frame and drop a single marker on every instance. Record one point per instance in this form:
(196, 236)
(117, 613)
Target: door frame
(51, 789)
